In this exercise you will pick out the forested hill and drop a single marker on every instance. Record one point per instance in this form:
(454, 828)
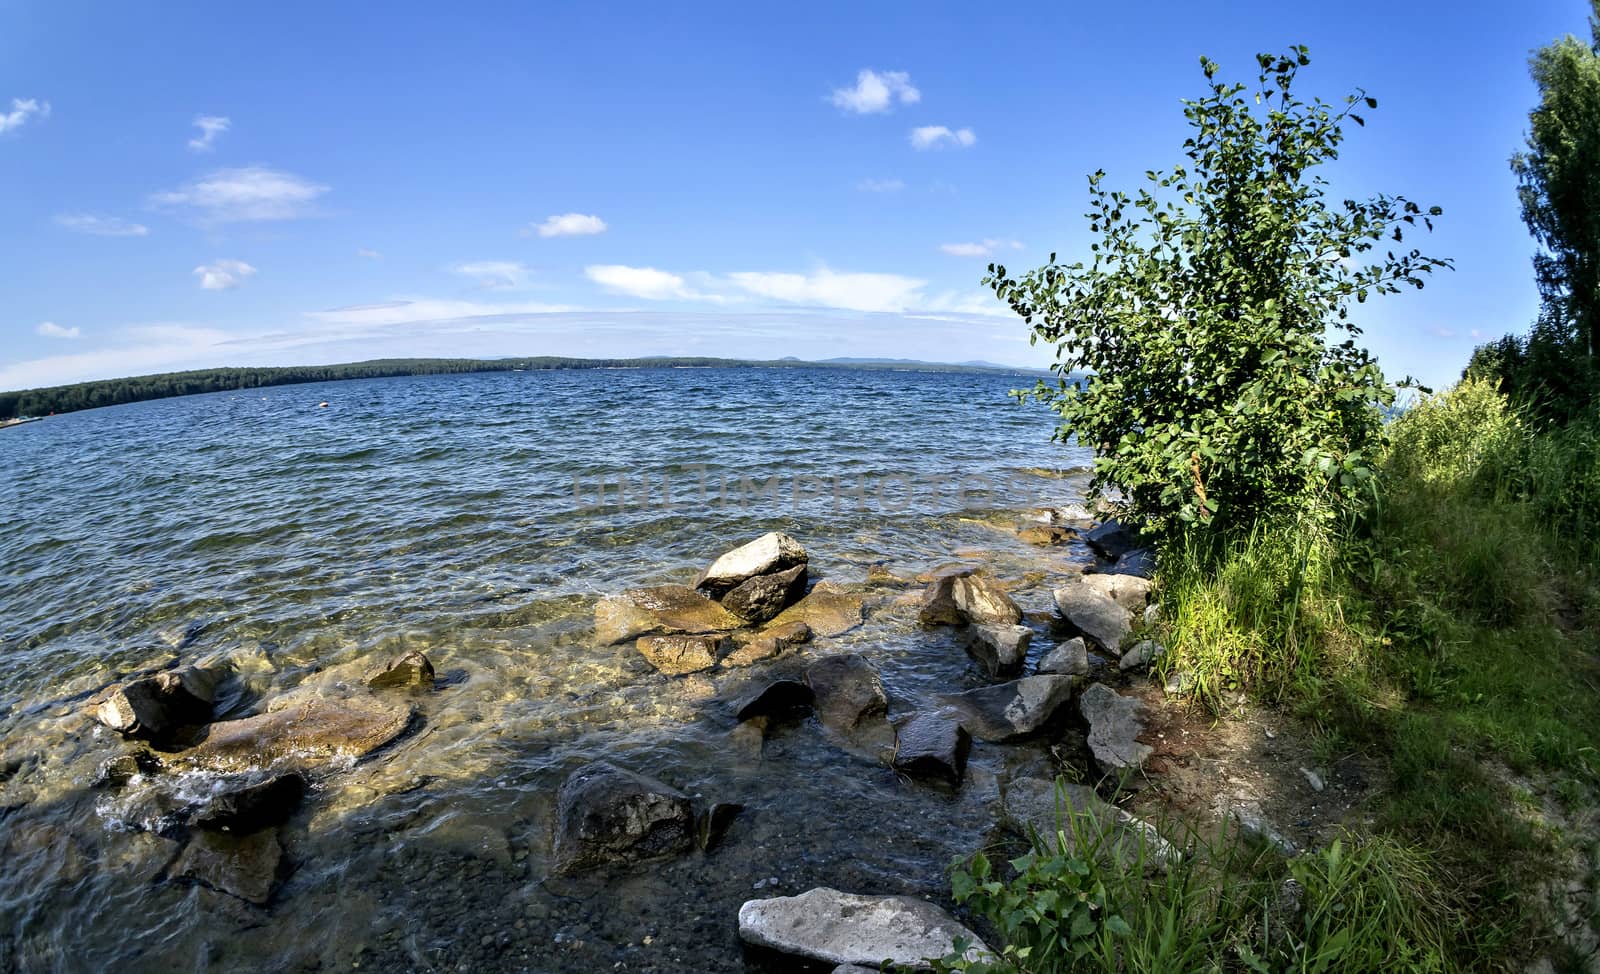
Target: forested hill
(111, 392)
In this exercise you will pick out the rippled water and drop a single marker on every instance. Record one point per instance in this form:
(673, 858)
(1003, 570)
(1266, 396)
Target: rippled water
(309, 546)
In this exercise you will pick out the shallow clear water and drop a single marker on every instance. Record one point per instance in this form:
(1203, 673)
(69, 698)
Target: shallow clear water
(309, 546)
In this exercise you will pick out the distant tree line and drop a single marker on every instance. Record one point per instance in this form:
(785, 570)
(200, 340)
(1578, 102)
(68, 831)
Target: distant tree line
(111, 392)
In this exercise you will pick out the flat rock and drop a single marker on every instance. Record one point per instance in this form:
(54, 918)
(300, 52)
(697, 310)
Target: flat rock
(1069, 658)
(1011, 711)
(1129, 591)
(412, 671)
(1086, 821)
(762, 597)
(1115, 722)
(243, 866)
(827, 611)
(1046, 534)
(312, 733)
(982, 600)
(608, 815)
(1001, 649)
(1097, 617)
(662, 609)
(933, 745)
(678, 655)
(845, 928)
(772, 552)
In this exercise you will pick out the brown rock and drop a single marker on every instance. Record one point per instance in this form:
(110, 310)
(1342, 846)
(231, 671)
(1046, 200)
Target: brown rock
(982, 600)
(414, 669)
(677, 655)
(244, 866)
(312, 733)
(939, 603)
(662, 609)
(1046, 534)
(827, 611)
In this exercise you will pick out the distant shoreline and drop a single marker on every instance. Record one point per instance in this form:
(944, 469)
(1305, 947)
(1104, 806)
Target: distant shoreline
(36, 403)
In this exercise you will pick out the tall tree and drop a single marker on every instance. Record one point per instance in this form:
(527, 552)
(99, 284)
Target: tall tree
(1559, 185)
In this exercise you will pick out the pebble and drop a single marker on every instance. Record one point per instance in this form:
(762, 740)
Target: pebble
(1313, 779)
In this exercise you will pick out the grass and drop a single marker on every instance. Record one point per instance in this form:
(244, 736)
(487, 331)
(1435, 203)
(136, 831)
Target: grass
(1449, 629)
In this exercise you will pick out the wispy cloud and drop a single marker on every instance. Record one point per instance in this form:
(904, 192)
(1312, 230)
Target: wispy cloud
(643, 282)
(404, 311)
(50, 329)
(494, 275)
(246, 194)
(937, 136)
(368, 254)
(880, 185)
(570, 225)
(980, 248)
(210, 127)
(825, 288)
(874, 93)
(223, 275)
(100, 226)
(138, 350)
(23, 109)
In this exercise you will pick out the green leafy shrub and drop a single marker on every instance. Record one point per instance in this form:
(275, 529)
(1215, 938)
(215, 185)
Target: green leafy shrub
(1193, 348)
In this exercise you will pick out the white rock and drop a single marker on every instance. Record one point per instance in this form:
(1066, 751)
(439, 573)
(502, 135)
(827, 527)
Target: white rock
(772, 552)
(1070, 658)
(845, 928)
(1114, 726)
(1098, 617)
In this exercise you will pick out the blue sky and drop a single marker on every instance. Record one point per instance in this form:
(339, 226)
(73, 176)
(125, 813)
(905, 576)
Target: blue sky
(190, 185)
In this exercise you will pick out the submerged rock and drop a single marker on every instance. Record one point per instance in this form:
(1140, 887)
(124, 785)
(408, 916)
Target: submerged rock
(1001, 649)
(1096, 616)
(662, 609)
(1087, 823)
(1046, 534)
(761, 598)
(844, 928)
(414, 669)
(312, 733)
(711, 826)
(154, 707)
(1011, 711)
(769, 643)
(772, 552)
(778, 699)
(678, 655)
(1114, 726)
(252, 807)
(850, 700)
(827, 611)
(606, 815)
(1070, 658)
(933, 745)
(982, 601)
(244, 866)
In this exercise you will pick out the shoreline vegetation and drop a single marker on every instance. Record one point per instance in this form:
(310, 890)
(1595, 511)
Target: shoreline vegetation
(35, 403)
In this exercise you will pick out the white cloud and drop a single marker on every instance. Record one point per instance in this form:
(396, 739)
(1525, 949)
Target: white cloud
(981, 248)
(222, 275)
(210, 127)
(250, 193)
(368, 254)
(50, 329)
(830, 289)
(149, 348)
(571, 225)
(409, 310)
(23, 109)
(101, 226)
(874, 92)
(880, 185)
(935, 136)
(642, 282)
(494, 275)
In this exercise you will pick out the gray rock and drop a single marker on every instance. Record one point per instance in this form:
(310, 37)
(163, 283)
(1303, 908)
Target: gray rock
(1313, 779)
(1114, 724)
(778, 699)
(1179, 682)
(1139, 561)
(982, 600)
(1070, 658)
(1129, 591)
(606, 815)
(244, 866)
(1111, 539)
(844, 928)
(662, 609)
(1001, 649)
(933, 746)
(1085, 822)
(758, 599)
(1143, 653)
(678, 655)
(413, 670)
(772, 552)
(849, 698)
(1010, 711)
(249, 807)
(1100, 619)
(1253, 825)
(154, 707)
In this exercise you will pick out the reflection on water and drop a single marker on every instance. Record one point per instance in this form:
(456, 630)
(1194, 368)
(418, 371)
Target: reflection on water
(308, 547)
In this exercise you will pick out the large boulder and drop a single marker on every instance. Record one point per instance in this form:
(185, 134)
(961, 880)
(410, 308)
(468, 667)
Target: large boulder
(982, 601)
(315, 732)
(679, 655)
(770, 553)
(1129, 591)
(662, 609)
(1057, 811)
(758, 599)
(827, 611)
(932, 745)
(1000, 649)
(1115, 723)
(844, 928)
(606, 815)
(1096, 616)
(849, 700)
(244, 866)
(1011, 711)
(155, 707)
